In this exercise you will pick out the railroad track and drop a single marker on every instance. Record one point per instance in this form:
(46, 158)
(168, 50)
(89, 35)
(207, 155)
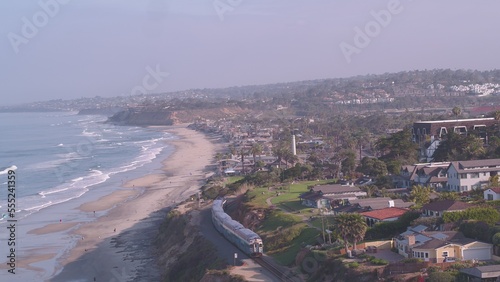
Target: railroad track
(285, 276)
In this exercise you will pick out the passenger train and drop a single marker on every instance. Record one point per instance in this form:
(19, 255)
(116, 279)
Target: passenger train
(245, 239)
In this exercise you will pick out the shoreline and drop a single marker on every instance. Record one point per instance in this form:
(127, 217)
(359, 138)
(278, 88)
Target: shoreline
(118, 244)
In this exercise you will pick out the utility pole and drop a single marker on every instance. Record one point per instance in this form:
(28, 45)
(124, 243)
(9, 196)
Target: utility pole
(322, 225)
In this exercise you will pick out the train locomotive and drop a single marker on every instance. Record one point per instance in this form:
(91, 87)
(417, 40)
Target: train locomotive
(245, 239)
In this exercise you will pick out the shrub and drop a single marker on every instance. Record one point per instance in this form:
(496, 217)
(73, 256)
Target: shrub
(353, 265)
(485, 214)
(412, 260)
(441, 277)
(432, 269)
(365, 256)
(378, 261)
(496, 239)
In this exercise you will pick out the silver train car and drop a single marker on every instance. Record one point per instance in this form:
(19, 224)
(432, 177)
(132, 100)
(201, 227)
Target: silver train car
(245, 239)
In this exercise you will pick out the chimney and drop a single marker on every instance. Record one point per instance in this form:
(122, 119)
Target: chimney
(411, 240)
(391, 203)
(294, 147)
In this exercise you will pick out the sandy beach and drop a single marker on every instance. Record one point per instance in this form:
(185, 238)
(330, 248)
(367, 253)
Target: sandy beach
(118, 244)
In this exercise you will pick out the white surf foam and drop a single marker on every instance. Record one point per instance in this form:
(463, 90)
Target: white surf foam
(5, 171)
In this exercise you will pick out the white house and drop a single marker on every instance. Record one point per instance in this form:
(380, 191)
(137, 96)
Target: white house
(492, 194)
(471, 175)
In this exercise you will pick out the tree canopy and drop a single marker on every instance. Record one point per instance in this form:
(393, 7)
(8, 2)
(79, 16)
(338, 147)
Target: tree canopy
(351, 227)
(397, 147)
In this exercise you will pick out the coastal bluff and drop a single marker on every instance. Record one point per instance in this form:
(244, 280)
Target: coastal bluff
(143, 118)
(154, 116)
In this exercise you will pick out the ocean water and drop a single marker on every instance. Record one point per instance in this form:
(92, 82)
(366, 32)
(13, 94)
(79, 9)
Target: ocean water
(61, 161)
(60, 156)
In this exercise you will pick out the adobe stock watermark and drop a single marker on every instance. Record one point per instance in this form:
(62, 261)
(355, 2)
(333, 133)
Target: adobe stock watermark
(150, 81)
(309, 265)
(31, 27)
(363, 37)
(223, 6)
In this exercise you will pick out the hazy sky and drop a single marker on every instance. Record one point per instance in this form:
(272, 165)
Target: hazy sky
(52, 49)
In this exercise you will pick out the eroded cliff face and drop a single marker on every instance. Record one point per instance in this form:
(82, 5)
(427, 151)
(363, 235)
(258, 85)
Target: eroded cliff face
(142, 118)
(145, 116)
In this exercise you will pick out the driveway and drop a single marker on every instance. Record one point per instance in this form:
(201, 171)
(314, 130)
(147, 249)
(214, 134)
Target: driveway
(388, 255)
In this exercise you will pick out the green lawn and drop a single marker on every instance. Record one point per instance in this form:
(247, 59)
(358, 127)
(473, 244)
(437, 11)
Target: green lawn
(294, 206)
(316, 222)
(258, 197)
(287, 256)
(291, 192)
(277, 218)
(291, 215)
(233, 179)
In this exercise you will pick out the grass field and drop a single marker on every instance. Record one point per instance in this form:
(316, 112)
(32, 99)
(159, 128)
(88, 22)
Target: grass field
(291, 214)
(233, 179)
(308, 236)
(277, 218)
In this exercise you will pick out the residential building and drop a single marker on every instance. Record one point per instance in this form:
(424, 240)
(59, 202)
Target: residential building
(482, 273)
(440, 246)
(424, 174)
(492, 194)
(330, 195)
(470, 175)
(383, 215)
(425, 133)
(438, 208)
(368, 204)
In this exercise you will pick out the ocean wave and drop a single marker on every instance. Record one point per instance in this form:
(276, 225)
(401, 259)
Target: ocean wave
(85, 132)
(52, 164)
(63, 193)
(5, 171)
(145, 151)
(46, 165)
(39, 207)
(139, 161)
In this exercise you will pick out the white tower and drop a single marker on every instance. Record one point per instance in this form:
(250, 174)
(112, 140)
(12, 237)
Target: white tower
(294, 147)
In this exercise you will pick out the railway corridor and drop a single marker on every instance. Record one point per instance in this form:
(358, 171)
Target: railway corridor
(245, 266)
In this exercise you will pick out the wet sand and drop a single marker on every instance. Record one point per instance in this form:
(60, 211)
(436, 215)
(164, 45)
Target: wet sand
(118, 244)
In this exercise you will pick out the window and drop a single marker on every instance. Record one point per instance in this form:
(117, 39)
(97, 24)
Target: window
(463, 175)
(474, 175)
(445, 254)
(490, 197)
(426, 255)
(463, 188)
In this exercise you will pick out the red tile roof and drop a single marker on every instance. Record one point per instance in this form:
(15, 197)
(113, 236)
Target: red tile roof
(385, 213)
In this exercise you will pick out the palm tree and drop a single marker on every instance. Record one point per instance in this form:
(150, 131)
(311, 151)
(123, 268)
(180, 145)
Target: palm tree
(255, 150)
(370, 190)
(420, 195)
(456, 111)
(497, 118)
(232, 149)
(279, 150)
(243, 153)
(351, 227)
